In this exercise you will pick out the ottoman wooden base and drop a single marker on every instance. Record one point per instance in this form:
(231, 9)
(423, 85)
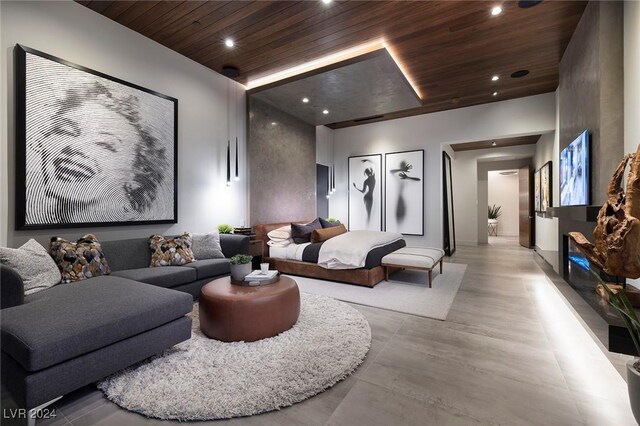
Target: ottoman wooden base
(416, 258)
(231, 313)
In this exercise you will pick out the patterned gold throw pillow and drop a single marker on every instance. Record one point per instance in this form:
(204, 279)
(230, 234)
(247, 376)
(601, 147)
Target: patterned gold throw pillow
(80, 260)
(171, 252)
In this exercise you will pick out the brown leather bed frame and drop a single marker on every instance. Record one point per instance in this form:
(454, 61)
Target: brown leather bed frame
(361, 276)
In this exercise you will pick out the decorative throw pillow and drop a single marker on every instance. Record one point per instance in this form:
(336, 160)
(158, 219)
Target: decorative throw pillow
(207, 246)
(171, 252)
(326, 224)
(80, 260)
(280, 234)
(302, 233)
(320, 235)
(34, 265)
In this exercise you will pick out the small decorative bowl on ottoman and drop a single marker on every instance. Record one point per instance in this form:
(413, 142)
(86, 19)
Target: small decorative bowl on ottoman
(232, 313)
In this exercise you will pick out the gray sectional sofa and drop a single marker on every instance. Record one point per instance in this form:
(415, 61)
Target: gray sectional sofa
(71, 335)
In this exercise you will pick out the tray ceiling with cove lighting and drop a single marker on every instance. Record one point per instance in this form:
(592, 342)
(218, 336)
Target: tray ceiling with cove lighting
(365, 86)
(449, 50)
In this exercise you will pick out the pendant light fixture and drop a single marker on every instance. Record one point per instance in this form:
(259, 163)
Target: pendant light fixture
(228, 137)
(237, 177)
(333, 162)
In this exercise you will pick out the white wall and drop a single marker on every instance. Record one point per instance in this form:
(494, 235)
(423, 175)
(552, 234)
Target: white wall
(547, 227)
(632, 81)
(77, 34)
(535, 114)
(504, 191)
(631, 76)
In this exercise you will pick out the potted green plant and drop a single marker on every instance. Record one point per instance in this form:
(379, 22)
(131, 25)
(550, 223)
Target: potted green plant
(240, 266)
(494, 213)
(225, 229)
(620, 302)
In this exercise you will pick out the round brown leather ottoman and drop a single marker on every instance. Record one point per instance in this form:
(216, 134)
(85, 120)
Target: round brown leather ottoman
(232, 313)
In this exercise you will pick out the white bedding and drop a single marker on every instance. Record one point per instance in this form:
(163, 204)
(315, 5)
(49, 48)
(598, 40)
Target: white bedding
(290, 252)
(350, 250)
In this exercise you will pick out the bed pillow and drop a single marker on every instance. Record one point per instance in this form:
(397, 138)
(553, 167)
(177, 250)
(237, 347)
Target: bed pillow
(207, 246)
(280, 234)
(320, 235)
(302, 233)
(283, 243)
(172, 251)
(80, 260)
(326, 224)
(34, 265)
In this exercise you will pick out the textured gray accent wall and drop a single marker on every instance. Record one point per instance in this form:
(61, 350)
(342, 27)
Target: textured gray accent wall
(591, 90)
(281, 153)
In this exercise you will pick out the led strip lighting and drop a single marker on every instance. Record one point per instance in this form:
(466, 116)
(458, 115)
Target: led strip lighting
(332, 59)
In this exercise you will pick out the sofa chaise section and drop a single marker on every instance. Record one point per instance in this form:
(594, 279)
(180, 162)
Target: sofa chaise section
(74, 334)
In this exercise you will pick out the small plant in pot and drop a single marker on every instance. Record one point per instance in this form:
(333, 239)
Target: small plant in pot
(621, 303)
(494, 213)
(240, 266)
(225, 229)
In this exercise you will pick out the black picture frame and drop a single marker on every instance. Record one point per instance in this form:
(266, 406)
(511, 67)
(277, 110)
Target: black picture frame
(416, 154)
(20, 82)
(546, 187)
(449, 227)
(537, 191)
(378, 184)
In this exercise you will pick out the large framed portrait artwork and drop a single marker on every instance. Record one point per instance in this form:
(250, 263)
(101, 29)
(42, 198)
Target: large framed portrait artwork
(91, 149)
(404, 194)
(365, 192)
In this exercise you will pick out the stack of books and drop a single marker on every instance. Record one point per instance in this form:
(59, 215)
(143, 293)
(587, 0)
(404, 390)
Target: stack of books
(242, 231)
(261, 278)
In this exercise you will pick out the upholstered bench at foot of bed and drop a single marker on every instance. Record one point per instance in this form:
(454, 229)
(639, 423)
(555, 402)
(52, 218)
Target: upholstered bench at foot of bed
(417, 258)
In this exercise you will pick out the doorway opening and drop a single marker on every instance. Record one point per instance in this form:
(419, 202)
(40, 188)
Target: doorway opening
(503, 227)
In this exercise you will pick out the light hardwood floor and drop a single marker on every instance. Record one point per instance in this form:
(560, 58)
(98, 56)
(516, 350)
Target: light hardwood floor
(510, 352)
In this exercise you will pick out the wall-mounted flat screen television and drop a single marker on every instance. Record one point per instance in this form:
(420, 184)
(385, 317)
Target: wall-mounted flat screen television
(574, 172)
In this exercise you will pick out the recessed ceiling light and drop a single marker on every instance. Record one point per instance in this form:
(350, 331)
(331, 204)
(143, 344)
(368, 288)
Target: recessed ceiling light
(305, 100)
(519, 73)
(273, 123)
(497, 10)
(495, 78)
(494, 143)
(326, 1)
(494, 94)
(325, 111)
(229, 42)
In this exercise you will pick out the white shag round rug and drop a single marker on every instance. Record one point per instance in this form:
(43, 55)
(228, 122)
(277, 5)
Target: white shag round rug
(205, 379)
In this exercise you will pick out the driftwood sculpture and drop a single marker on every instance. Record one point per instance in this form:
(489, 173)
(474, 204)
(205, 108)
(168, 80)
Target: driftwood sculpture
(617, 234)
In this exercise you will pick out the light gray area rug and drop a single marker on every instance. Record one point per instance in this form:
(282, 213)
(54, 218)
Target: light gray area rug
(204, 379)
(406, 291)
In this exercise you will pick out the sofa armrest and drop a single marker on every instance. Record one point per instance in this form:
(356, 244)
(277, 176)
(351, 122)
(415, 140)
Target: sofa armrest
(11, 288)
(234, 244)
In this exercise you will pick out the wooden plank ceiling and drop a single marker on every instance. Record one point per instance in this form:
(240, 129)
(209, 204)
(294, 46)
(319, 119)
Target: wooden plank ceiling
(499, 143)
(449, 49)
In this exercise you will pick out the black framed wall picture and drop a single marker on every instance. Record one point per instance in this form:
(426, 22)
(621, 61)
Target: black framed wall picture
(537, 200)
(546, 194)
(365, 192)
(404, 192)
(91, 149)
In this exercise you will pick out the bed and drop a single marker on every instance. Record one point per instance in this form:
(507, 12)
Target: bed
(369, 275)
